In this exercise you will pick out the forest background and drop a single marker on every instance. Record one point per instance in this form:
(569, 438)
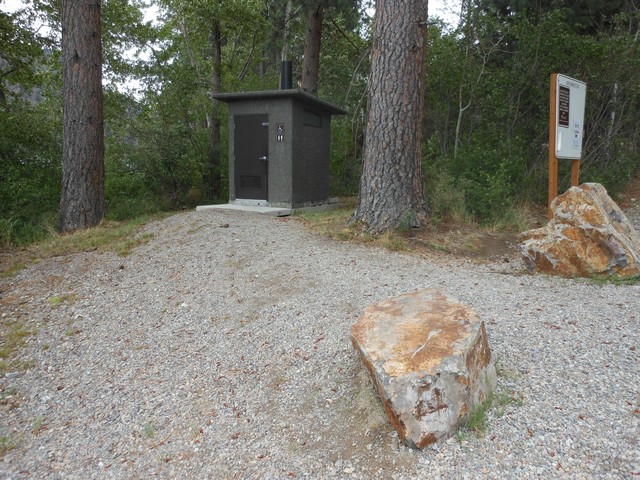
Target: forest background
(487, 100)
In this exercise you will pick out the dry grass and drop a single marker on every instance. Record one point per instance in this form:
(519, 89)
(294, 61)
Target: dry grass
(448, 236)
(14, 335)
(118, 237)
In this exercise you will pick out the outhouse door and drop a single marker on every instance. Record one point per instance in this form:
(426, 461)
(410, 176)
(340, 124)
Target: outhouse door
(251, 144)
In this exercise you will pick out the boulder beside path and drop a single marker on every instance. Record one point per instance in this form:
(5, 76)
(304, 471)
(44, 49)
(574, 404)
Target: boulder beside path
(588, 236)
(430, 362)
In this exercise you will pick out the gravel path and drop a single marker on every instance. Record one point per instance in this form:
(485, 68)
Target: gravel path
(221, 350)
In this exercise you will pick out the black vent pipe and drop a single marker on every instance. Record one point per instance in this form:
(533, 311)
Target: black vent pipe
(286, 75)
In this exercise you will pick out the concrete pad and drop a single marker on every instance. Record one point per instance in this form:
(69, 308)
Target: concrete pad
(261, 206)
(272, 211)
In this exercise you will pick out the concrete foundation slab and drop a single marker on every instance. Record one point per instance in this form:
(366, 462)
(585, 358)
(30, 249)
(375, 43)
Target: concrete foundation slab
(261, 206)
(273, 211)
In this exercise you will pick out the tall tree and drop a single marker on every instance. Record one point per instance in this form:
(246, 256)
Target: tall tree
(317, 13)
(312, 46)
(213, 175)
(391, 186)
(82, 202)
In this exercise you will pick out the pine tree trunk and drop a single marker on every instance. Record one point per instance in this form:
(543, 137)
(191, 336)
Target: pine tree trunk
(82, 202)
(391, 186)
(213, 176)
(312, 45)
(286, 31)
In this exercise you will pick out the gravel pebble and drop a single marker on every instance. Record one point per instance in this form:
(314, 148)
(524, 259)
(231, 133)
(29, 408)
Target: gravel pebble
(224, 353)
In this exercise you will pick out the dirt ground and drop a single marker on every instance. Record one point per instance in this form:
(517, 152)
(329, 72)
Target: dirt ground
(486, 245)
(447, 238)
(470, 241)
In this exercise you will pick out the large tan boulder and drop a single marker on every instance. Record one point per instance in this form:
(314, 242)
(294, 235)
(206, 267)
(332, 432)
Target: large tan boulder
(430, 362)
(588, 236)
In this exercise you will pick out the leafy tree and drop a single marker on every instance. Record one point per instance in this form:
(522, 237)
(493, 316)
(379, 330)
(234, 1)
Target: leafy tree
(21, 49)
(30, 141)
(503, 135)
(315, 18)
(30, 149)
(585, 16)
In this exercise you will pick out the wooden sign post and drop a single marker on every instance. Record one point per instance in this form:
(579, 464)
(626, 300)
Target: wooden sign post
(553, 160)
(566, 122)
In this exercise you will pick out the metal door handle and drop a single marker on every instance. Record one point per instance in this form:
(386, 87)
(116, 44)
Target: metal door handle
(263, 159)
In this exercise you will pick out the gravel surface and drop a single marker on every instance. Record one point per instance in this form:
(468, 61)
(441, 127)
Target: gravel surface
(221, 349)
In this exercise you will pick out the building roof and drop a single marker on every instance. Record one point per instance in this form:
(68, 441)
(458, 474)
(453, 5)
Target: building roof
(271, 94)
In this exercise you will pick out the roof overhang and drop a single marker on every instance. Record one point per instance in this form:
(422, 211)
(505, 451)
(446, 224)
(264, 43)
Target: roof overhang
(273, 94)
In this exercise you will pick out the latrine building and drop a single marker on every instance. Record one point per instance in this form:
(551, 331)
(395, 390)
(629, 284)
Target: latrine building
(279, 148)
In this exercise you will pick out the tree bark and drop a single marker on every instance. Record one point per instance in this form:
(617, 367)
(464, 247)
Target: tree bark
(391, 186)
(213, 176)
(82, 202)
(312, 46)
(286, 31)
(192, 58)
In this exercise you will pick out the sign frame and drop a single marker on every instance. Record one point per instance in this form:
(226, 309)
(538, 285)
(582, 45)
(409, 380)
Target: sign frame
(566, 124)
(571, 95)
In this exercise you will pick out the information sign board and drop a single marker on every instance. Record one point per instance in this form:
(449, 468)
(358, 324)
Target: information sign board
(571, 95)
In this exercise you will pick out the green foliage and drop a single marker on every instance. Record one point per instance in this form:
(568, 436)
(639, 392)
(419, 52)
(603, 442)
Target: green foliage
(346, 156)
(615, 280)
(445, 196)
(30, 123)
(30, 153)
(21, 46)
(489, 138)
(477, 419)
(486, 98)
(38, 424)
(66, 298)
(491, 180)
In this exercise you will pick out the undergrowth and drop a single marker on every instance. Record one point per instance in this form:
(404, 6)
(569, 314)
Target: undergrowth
(450, 228)
(476, 422)
(613, 280)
